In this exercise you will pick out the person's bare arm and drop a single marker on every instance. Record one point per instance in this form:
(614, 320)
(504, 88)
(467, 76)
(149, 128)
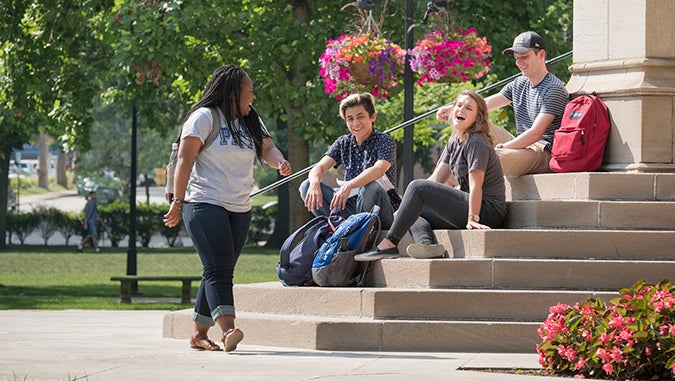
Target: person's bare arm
(314, 199)
(476, 179)
(188, 149)
(272, 156)
(532, 135)
(366, 177)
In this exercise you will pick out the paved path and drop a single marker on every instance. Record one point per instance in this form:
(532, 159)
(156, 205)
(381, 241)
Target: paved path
(127, 345)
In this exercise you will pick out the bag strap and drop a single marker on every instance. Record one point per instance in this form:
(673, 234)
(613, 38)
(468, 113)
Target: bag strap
(213, 133)
(214, 129)
(296, 237)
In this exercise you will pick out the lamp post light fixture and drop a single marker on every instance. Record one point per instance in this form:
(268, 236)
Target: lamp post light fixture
(408, 103)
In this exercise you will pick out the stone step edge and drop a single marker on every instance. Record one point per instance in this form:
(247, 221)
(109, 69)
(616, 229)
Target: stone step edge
(371, 335)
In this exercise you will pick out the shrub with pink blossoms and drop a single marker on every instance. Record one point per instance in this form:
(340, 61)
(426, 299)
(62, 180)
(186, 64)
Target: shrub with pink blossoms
(631, 339)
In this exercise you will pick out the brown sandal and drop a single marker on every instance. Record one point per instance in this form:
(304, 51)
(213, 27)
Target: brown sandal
(203, 343)
(231, 338)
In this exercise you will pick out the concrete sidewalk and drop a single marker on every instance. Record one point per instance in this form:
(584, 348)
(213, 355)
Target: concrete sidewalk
(128, 345)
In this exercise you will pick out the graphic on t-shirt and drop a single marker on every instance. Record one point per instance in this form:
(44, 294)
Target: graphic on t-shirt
(244, 140)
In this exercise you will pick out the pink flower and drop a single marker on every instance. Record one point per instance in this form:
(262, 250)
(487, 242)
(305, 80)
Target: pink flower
(580, 364)
(579, 377)
(608, 368)
(617, 355)
(603, 355)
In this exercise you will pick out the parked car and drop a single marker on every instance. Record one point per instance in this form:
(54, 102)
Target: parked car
(108, 188)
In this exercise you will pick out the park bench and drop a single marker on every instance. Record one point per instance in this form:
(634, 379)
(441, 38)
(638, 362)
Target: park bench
(127, 280)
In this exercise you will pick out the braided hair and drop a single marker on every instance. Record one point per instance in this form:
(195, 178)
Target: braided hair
(225, 82)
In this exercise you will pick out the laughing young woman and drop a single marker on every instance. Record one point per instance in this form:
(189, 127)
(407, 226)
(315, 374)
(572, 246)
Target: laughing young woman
(478, 202)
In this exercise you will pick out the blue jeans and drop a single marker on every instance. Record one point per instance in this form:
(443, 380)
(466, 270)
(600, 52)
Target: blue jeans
(369, 195)
(429, 205)
(219, 236)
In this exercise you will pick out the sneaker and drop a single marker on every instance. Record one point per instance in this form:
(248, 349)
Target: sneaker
(377, 254)
(422, 251)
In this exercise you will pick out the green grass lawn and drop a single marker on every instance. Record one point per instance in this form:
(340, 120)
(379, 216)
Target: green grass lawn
(54, 277)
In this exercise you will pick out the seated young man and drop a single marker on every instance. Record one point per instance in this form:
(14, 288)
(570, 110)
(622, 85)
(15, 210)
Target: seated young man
(538, 98)
(369, 159)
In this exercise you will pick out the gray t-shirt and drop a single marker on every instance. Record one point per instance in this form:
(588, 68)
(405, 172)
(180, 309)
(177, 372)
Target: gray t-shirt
(548, 96)
(222, 173)
(477, 153)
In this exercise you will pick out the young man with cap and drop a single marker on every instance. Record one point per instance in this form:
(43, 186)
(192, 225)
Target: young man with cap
(538, 98)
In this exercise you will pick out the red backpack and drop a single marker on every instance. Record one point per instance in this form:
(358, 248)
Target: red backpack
(579, 143)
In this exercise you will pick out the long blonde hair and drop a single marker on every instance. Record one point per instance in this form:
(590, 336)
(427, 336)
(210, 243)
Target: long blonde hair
(482, 123)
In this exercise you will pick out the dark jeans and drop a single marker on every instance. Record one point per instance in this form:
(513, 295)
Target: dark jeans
(219, 236)
(369, 195)
(429, 205)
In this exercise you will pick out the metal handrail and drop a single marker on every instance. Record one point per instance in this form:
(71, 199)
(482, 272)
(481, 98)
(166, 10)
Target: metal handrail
(407, 123)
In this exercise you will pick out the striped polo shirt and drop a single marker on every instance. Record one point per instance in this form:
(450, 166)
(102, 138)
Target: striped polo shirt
(548, 96)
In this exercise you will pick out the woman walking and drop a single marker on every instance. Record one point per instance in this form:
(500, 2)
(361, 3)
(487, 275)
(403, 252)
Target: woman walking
(212, 186)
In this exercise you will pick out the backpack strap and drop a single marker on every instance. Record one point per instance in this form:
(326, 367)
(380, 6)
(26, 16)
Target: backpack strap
(296, 237)
(215, 130)
(213, 133)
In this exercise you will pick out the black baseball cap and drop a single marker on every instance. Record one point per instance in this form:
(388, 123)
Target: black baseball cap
(524, 42)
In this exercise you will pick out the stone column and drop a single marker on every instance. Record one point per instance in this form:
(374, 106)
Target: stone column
(624, 50)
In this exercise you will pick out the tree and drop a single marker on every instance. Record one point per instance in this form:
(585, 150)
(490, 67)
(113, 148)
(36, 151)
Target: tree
(48, 55)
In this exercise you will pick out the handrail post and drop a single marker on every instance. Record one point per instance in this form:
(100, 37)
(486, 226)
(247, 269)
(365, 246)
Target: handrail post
(408, 110)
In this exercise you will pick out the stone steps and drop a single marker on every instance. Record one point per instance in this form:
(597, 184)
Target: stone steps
(569, 237)
(560, 243)
(591, 214)
(408, 303)
(592, 186)
(517, 274)
(362, 334)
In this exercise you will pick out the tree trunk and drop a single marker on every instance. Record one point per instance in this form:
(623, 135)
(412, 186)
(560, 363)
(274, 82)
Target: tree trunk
(44, 161)
(298, 152)
(61, 177)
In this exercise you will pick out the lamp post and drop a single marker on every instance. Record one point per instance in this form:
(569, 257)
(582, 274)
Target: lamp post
(131, 251)
(408, 102)
(17, 160)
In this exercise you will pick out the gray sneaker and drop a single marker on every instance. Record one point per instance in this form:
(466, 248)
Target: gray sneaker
(422, 251)
(377, 254)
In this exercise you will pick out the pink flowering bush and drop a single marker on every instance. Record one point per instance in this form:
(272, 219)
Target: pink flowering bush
(458, 57)
(382, 61)
(631, 339)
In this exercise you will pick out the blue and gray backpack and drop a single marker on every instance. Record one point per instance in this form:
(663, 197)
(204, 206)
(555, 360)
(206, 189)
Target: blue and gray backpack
(334, 264)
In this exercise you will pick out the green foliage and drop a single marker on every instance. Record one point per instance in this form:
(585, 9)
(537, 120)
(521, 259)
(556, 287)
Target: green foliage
(262, 222)
(631, 339)
(171, 234)
(49, 221)
(149, 221)
(68, 224)
(114, 221)
(22, 224)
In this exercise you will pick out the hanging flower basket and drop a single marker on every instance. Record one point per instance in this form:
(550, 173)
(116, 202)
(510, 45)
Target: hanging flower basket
(363, 62)
(359, 72)
(461, 57)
